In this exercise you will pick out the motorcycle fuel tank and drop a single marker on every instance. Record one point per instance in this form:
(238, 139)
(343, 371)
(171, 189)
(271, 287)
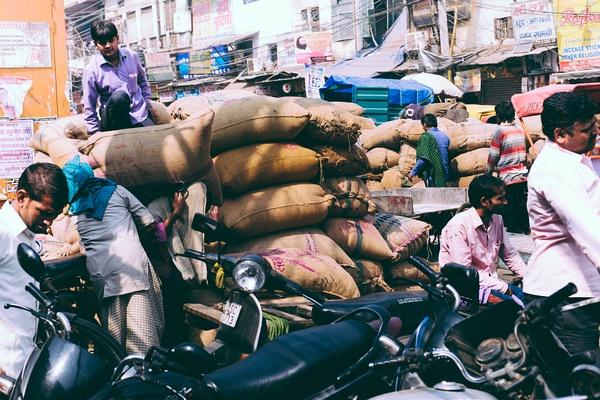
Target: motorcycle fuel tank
(61, 370)
(441, 391)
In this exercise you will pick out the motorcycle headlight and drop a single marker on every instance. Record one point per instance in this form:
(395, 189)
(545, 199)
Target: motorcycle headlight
(249, 273)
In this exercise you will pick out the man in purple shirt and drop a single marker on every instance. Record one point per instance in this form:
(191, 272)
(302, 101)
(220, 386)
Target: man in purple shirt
(116, 76)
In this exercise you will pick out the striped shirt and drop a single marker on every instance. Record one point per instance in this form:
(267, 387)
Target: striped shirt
(508, 154)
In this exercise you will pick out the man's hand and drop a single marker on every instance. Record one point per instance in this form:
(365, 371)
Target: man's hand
(509, 291)
(518, 281)
(178, 204)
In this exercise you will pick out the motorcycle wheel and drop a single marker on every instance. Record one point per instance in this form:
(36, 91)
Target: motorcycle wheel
(96, 340)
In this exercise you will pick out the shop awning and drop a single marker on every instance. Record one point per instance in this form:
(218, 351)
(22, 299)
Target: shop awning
(560, 77)
(498, 54)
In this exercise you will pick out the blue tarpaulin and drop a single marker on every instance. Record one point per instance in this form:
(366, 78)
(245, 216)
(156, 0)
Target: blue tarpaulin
(401, 93)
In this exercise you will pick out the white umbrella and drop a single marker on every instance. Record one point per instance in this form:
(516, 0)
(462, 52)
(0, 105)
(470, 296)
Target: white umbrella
(437, 83)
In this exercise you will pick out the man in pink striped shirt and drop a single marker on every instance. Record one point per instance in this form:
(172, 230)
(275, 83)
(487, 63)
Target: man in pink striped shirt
(508, 155)
(477, 238)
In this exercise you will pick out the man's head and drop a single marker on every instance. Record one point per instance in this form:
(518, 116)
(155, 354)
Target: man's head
(429, 121)
(569, 120)
(106, 38)
(487, 193)
(41, 196)
(505, 112)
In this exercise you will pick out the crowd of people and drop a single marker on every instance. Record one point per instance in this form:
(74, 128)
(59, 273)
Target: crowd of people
(557, 200)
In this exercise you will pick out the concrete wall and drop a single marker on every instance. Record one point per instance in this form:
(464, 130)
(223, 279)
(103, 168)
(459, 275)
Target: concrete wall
(479, 30)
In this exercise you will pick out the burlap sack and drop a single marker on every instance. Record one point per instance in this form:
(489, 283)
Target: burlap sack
(162, 115)
(182, 108)
(440, 109)
(385, 135)
(351, 197)
(328, 124)
(309, 239)
(352, 108)
(465, 181)
(259, 165)
(338, 161)
(364, 123)
(411, 131)
(470, 136)
(64, 239)
(358, 238)
(50, 139)
(73, 126)
(374, 186)
(381, 159)
(255, 119)
(405, 236)
(313, 271)
(404, 269)
(368, 276)
(534, 151)
(275, 209)
(157, 154)
(394, 178)
(533, 124)
(407, 159)
(471, 163)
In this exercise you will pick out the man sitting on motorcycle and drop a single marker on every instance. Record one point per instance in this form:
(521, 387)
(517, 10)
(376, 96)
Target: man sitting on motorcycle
(41, 196)
(477, 238)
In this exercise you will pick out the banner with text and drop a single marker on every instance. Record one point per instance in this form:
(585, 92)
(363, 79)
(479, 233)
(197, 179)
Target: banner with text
(533, 21)
(578, 34)
(15, 153)
(211, 19)
(25, 45)
(313, 47)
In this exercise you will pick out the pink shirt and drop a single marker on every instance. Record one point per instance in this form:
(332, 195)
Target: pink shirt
(564, 215)
(466, 241)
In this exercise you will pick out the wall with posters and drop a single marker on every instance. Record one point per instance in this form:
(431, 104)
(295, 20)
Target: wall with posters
(578, 34)
(533, 21)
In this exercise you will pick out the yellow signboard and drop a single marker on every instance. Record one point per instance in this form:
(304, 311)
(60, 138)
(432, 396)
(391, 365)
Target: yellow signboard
(578, 34)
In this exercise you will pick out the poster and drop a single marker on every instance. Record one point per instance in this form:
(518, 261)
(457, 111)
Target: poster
(578, 34)
(313, 47)
(13, 90)
(468, 81)
(314, 80)
(15, 153)
(533, 21)
(210, 20)
(25, 44)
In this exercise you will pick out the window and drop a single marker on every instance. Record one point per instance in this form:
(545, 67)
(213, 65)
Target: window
(273, 53)
(503, 28)
(310, 19)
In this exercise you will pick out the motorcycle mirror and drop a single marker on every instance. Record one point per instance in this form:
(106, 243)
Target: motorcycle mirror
(466, 282)
(30, 261)
(208, 226)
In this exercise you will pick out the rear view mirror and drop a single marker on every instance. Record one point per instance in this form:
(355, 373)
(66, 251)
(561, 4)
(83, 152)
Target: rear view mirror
(211, 228)
(30, 261)
(466, 282)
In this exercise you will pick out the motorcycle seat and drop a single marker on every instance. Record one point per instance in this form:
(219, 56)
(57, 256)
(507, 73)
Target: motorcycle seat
(293, 366)
(411, 307)
(63, 269)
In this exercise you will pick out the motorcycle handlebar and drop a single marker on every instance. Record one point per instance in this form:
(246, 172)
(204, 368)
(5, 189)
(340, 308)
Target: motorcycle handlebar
(424, 268)
(39, 296)
(546, 305)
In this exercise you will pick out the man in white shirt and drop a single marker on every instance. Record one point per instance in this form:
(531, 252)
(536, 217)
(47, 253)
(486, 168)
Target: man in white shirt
(564, 214)
(41, 196)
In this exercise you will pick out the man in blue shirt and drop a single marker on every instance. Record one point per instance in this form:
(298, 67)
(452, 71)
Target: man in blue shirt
(432, 154)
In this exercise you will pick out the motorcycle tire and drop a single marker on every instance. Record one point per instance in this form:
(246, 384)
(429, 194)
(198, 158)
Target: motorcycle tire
(96, 340)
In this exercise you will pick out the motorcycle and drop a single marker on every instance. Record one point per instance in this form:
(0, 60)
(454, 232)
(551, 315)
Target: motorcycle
(504, 350)
(74, 357)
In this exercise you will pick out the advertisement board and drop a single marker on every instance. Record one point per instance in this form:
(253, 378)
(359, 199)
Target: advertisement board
(313, 47)
(533, 21)
(577, 34)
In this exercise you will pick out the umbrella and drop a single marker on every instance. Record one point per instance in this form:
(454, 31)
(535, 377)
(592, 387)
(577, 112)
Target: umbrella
(437, 83)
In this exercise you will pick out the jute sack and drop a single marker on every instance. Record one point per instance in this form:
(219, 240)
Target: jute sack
(275, 209)
(374, 186)
(351, 197)
(411, 131)
(313, 271)
(465, 181)
(533, 123)
(182, 108)
(381, 159)
(352, 108)
(157, 154)
(309, 239)
(339, 161)
(255, 119)
(405, 236)
(404, 269)
(358, 238)
(73, 126)
(407, 159)
(51, 140)
(161, 113)
(394, 178)
(471, 163)
(470, 136)
(328, 124)
(258, 165)
(364, 123)
(368, 276)
(440, 109)
(385, 135)
(534, 151)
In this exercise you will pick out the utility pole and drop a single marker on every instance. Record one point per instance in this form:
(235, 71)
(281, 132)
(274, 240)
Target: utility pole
(443, 28)
(357, 30)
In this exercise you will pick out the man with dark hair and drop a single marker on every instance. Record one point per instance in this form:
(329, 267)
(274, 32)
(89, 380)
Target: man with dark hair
(508, 155)
(477, 238)
(41, 196)
(564, 212)
(432, 154)
(117, 78)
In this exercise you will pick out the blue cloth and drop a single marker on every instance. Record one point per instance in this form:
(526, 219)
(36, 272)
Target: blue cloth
(443, 142)
(87, 194)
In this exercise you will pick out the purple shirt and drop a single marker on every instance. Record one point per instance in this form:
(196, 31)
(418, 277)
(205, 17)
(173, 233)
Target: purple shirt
(102, 79)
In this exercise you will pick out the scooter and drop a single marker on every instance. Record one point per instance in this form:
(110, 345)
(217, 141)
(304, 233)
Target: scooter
(63, 365)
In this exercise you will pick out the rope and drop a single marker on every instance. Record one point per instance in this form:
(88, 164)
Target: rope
(219, 272)
(276, 326)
